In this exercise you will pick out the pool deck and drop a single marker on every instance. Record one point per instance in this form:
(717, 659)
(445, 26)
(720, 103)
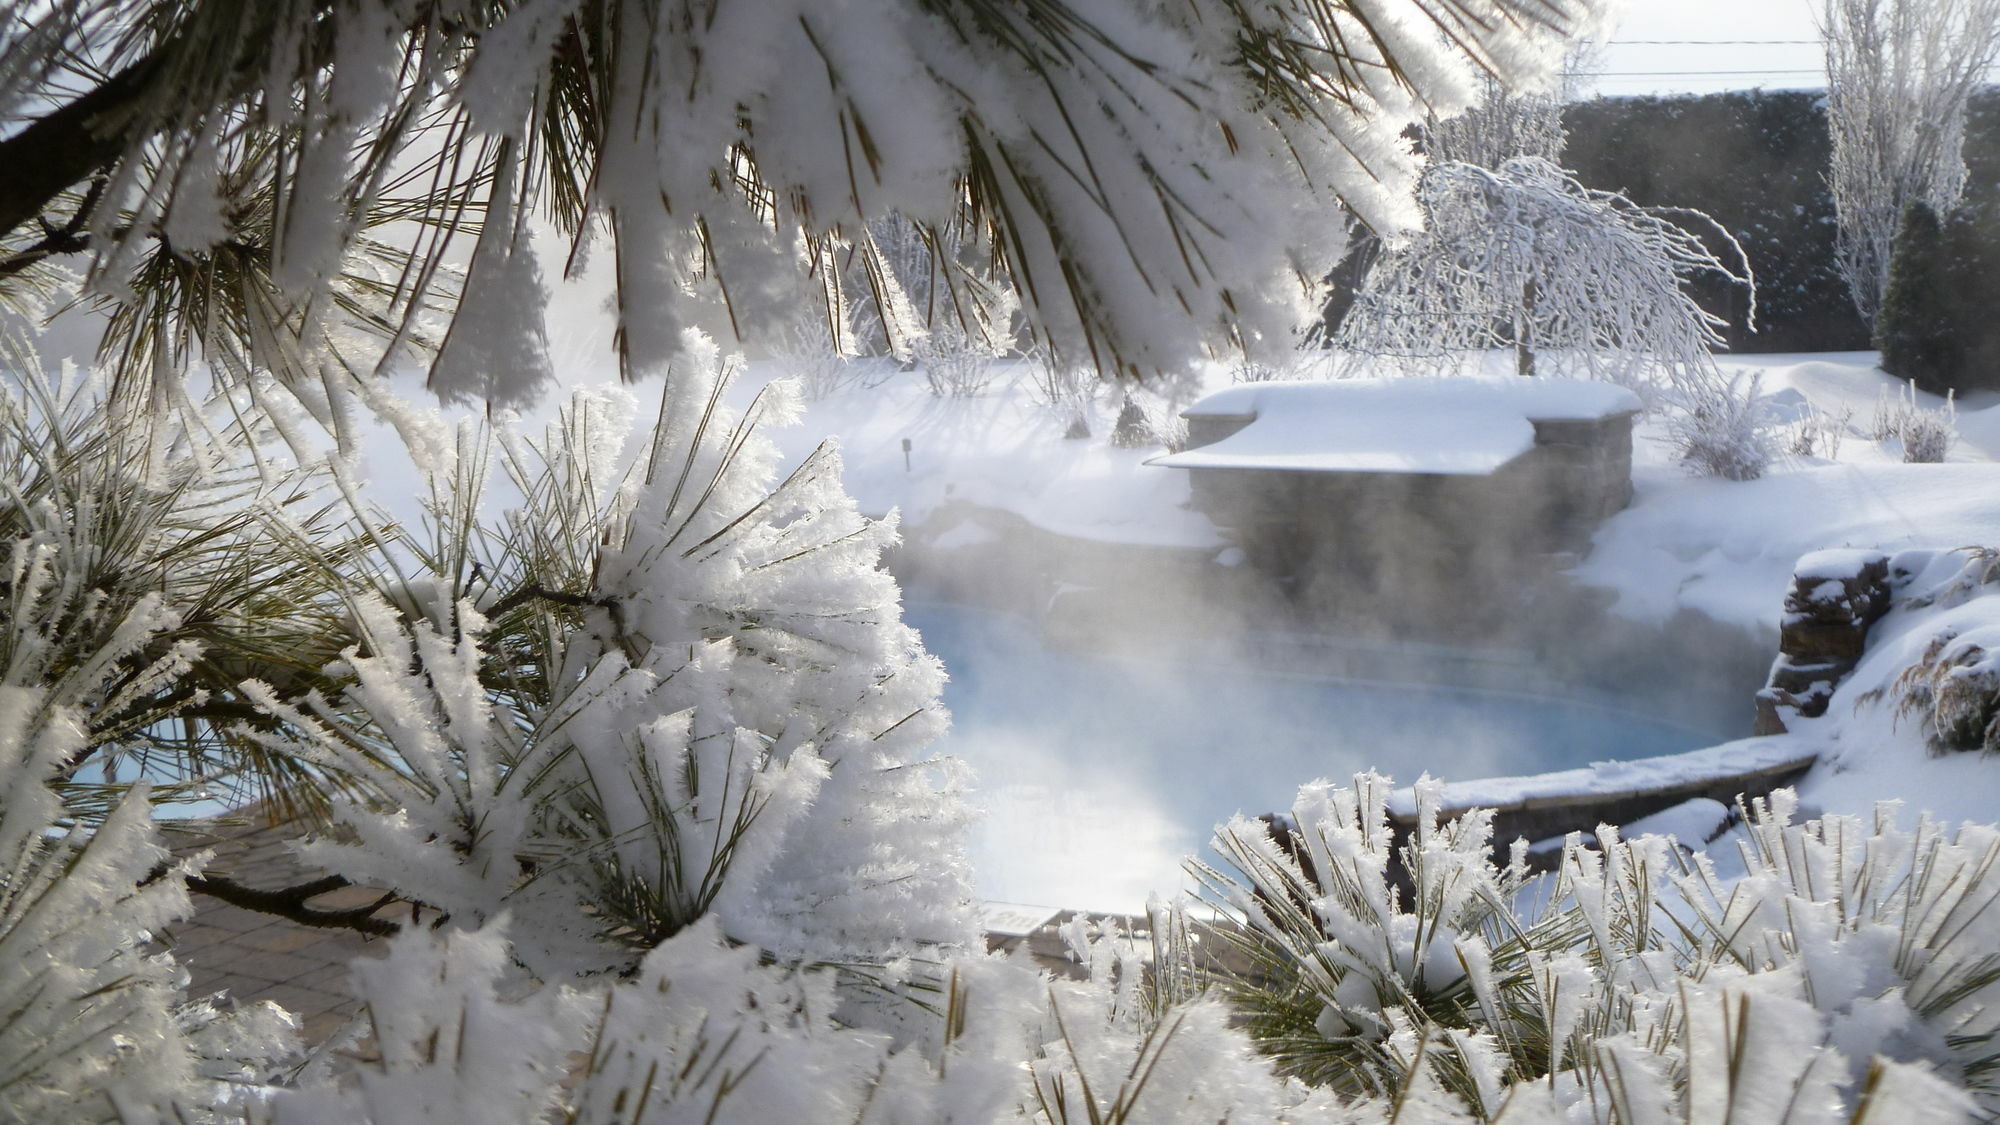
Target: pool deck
(249, 956)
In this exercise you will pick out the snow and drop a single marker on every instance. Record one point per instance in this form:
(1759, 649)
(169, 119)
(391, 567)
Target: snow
(1873, 753)
(1832, 565)
(1692, 822)
(1001, 450)
(1728, 549)
(1602, 778)
(1459, 425)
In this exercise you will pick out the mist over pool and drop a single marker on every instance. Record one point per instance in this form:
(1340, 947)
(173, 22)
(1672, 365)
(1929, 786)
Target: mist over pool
(1098, 774)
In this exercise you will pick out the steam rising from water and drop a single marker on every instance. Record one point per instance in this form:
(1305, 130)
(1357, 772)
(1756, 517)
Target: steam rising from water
(1098, 774)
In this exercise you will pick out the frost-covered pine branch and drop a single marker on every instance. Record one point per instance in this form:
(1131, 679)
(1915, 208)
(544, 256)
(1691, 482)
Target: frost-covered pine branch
(90, 1014)
(662, 688)
(1153, 180)
(1852, 967)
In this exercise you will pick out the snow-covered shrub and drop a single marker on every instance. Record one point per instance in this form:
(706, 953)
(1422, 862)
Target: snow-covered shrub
(1133, 428)
(1819, 433)
(1954, 689)
(955, 364)
(1926, 435)
(1575, 281)
(1266, 371)
(811, 354)
(1718, 427)
(1951, 685)
(1066, 390)
(1853, 958)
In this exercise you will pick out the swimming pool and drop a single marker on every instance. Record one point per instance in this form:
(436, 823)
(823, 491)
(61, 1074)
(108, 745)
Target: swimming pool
(1097, 775)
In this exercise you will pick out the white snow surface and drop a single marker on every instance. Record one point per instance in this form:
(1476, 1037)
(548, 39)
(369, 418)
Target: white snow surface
(1001, 450)
(1455, 425)
(1602, 778)
(1728, 549)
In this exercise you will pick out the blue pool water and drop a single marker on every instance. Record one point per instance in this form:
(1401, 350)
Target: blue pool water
(1098, 775)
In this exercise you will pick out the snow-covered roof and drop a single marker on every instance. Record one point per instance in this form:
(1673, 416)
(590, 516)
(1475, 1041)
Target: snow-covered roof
(1460, 425)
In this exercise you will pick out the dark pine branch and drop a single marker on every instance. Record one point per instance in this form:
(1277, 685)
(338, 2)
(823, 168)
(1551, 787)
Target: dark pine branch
(289, 903)
(66, 145)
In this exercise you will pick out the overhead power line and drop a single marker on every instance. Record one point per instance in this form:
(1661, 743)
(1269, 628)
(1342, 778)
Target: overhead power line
(1694, 73)
(1712, 43)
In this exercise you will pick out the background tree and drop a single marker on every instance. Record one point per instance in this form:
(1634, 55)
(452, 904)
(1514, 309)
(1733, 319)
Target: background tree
(1524, 257)
(1899, 73)
(1916, 329)
(1936, 326)
(1504, 122)
(1572, 281)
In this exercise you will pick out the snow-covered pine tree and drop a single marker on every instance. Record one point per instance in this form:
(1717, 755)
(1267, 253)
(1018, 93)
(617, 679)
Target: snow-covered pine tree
(1916, 329)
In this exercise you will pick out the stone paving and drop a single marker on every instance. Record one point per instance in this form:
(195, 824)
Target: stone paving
(251, 956)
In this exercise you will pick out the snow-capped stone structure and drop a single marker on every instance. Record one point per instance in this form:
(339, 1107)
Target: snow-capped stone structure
(1836, 596)
(1418, 502)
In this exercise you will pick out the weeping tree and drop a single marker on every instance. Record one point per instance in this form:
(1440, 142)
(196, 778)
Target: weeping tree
(1524, 257)
(1571, 280)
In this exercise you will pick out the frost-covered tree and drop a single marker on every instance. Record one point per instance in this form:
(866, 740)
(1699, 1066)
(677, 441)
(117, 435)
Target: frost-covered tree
(1524, 257)
(1898, 76)
(1504, 122)
(1502, 125)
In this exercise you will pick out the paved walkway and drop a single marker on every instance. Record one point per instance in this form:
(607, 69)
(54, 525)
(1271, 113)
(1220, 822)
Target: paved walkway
(252, 956)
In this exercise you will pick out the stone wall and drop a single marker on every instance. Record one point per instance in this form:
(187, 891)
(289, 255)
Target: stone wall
(1434, 556)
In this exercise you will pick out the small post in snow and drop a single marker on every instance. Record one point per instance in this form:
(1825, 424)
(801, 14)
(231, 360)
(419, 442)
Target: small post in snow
(906, 455)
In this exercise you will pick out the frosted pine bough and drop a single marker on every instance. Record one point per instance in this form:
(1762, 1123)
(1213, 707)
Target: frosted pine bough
(1850, 974)
(728, 715)
(1156, 181)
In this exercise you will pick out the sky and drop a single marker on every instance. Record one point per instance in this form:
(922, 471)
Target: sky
(1662, 46)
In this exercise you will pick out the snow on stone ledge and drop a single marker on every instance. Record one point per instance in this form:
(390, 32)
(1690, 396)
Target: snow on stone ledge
(1457, 425)
(1668, 771)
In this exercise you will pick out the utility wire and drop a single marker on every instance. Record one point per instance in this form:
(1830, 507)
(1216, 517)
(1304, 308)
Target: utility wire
(1691, 73)
(1712, 42)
